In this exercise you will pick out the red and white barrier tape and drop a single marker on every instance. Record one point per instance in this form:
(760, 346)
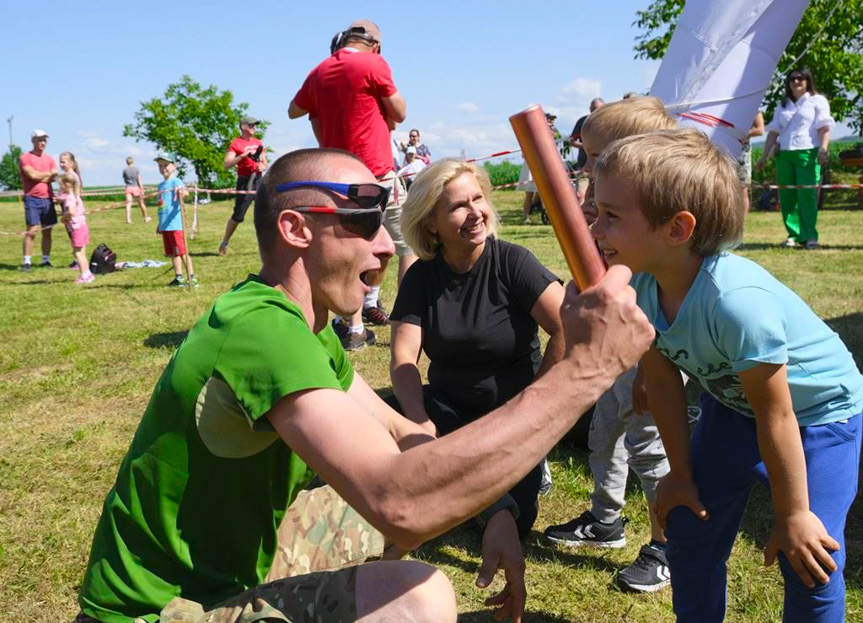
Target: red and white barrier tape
(232, 191)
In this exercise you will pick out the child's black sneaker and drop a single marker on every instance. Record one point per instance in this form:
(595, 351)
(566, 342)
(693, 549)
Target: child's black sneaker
(177, 282)
(588, 530)
(648, 573)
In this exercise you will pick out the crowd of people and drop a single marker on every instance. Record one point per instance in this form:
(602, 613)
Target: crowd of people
(268, 481)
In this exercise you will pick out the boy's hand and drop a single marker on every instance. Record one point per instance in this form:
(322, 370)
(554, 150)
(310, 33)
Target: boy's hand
(501, 549)
(673, 491)
(639, 393)
(804, 541)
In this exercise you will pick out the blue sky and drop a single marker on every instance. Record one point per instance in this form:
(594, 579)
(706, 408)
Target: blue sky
(79, 70)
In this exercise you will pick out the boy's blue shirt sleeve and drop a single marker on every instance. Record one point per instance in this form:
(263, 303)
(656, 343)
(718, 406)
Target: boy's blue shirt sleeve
(750, 327)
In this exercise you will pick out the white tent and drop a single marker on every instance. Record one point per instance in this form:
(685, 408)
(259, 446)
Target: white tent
(720, 61)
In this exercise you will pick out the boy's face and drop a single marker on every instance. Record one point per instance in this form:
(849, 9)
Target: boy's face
(622, 231)
(166, 168)
(593, 143)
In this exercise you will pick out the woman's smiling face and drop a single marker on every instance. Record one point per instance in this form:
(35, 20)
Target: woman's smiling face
(460, 217)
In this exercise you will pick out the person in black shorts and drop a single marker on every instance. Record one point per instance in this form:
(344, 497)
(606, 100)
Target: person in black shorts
(247, 153)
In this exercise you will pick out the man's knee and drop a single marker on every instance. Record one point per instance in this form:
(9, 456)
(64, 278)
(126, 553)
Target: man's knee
(407, 591)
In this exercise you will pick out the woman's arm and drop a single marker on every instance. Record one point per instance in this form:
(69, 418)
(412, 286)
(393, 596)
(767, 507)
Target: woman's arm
(768, 149)
(824, 144)
(406, 345)
(757, 128)
(798, 532)
(546, 312)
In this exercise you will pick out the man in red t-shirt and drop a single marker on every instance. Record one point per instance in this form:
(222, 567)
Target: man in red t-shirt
(353, 104)
(38, 170)
(247, 153)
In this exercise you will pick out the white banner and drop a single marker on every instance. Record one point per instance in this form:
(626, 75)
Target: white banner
(720, 61)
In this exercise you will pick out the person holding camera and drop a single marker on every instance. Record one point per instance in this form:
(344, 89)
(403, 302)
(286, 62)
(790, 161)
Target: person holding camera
(247, 153)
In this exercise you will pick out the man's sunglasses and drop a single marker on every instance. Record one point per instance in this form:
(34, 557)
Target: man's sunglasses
(363, 223)
(366, 196)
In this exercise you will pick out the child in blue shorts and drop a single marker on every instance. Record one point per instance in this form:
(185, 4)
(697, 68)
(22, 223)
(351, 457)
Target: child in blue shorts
(782, 396)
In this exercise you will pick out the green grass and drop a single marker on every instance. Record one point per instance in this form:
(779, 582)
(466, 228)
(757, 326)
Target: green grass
(78, 365)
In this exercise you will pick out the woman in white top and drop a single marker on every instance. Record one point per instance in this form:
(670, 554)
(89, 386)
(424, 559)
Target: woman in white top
(802, 124)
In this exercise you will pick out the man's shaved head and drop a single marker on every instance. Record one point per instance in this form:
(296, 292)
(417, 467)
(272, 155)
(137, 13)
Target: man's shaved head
(370, 27)
(296, 166)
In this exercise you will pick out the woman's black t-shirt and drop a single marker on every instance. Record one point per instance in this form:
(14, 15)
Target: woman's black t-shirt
(479, 336)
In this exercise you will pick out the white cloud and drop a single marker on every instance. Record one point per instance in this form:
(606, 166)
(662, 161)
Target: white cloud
(580, 89)
(474, 140)
(468, 107)
(95, 143)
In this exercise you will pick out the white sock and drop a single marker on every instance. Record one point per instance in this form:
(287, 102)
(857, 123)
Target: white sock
(26, 259)
(371, 299)
(357, 328)
(46, 258)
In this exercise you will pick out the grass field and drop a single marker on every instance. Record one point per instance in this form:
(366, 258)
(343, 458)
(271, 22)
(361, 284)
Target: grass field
(78, 365)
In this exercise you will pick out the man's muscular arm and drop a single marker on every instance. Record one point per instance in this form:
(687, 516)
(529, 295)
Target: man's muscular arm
(414, 495)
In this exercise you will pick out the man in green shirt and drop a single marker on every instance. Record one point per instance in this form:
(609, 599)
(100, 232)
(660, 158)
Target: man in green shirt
(209, 518)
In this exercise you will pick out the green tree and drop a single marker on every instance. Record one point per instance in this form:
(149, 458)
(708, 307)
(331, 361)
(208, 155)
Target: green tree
(829, 38)
(196, 124)
(10, 178)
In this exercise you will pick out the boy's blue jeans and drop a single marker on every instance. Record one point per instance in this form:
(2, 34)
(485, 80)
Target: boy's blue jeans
(726, 464)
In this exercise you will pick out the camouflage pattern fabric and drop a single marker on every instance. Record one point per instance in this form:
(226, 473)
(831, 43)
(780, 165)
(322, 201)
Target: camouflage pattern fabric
(313, 577)
(322, 597)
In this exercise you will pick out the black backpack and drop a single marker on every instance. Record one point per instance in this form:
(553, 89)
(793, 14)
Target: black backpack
(103, 260)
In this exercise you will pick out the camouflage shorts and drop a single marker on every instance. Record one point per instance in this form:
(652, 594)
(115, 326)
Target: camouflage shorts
(321, 540)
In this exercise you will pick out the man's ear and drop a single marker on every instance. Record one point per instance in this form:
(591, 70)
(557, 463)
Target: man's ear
(680, 228)
(293, 229)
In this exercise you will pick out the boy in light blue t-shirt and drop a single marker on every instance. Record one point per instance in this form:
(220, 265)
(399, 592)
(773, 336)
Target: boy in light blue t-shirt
(170, 196)
(782, 395)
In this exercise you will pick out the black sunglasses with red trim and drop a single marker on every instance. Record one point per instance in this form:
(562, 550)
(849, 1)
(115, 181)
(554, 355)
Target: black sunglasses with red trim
(363, 221)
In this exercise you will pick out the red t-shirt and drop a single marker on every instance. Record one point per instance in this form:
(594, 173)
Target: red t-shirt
(43, 164)
(246, 166)
(344, 92)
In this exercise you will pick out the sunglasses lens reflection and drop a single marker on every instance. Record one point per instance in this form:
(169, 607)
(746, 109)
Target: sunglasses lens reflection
(364, 224)
(371, 195)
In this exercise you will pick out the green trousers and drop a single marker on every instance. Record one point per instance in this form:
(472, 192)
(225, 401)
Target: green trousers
(799, 205)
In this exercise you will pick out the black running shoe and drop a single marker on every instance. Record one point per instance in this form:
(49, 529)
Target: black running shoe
(587, 530)
(46, 264)
(648, 573)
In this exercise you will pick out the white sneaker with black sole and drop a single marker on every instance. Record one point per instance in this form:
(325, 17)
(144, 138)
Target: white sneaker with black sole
(649, 572)
(587, 530)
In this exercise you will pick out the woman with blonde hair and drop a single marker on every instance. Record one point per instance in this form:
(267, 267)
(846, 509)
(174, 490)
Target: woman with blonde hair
(473, 304)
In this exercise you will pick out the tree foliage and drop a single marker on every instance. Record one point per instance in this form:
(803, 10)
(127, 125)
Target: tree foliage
(834, 54)
(195, 123)
(10, 178)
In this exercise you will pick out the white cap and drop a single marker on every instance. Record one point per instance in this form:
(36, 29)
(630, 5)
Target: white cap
(38, 134)
(411, 150)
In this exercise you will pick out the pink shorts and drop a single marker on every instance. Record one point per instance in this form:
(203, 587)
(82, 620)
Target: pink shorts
(80, 237)
(135, 191)
(174, 244)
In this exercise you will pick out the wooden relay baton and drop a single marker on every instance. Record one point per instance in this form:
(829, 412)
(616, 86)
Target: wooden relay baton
(558, 196)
